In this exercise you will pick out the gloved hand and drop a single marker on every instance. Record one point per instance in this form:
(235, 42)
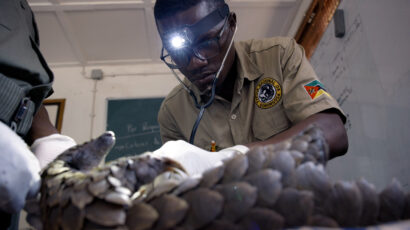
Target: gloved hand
(19, 171)
(196, 160)
(242, 149)
(48, 148)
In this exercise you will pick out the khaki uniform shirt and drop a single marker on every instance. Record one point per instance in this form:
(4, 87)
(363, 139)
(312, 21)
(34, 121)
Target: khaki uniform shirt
(276, 87)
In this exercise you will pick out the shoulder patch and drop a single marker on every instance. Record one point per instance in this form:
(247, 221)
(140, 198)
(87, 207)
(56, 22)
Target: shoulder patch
(315, 89)
(268, 93)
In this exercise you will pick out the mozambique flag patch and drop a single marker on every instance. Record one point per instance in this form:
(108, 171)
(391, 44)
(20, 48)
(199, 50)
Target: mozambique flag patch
(315, 89)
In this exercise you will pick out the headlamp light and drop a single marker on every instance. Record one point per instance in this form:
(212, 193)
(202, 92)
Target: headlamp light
(179, 39)
(178, 42)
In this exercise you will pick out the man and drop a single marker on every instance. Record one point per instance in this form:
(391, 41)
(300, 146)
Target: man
(25, 80)
(266, 90)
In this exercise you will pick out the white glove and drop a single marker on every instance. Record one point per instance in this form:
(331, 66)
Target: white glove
(19, 171)
(48, 148)
(237, 149)
(196, 160)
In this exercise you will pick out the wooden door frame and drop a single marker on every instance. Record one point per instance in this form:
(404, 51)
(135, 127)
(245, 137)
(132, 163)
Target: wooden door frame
(60, 103)
(314, 25)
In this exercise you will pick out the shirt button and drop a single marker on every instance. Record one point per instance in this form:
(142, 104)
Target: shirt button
(233, 116)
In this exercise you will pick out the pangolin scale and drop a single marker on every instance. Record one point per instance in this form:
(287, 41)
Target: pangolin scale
(271, 187)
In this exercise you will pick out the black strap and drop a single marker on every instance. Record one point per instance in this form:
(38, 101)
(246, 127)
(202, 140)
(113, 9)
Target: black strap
(209, 21)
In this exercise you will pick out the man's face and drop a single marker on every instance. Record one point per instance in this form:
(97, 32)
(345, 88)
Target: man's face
(199, 71)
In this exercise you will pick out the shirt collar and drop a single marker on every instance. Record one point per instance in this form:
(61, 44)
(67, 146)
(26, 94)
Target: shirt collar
(246, 68)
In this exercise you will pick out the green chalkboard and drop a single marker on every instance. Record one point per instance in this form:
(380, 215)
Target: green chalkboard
(134, 122)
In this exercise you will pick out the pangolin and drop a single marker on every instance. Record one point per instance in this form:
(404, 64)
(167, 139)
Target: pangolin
(270, 187)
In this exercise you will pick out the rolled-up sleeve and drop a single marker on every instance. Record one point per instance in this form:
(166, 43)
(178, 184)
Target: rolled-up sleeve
(304, 94)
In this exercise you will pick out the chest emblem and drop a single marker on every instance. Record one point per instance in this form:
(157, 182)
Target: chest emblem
(268, 93)
(315, 89)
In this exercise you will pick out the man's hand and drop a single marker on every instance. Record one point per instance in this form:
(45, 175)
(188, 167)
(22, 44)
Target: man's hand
(41, 126)
(19, 171)
(46, 143)
(328, 121)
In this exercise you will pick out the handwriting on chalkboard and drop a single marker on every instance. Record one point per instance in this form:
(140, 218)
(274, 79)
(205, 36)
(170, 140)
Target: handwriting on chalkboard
(150, 128)
(130, 146)
(142, 130)
(145, 127)
(140, 136)
(131, 128)
(136, 135)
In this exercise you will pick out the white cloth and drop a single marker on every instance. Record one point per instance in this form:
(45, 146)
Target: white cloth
(48, 148)
(237, 148)
(196, 160)
(19, 171)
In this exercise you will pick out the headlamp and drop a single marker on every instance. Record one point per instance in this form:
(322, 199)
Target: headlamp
(177, 41)
(185, 36)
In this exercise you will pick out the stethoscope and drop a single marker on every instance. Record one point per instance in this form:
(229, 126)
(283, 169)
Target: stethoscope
(211, 99)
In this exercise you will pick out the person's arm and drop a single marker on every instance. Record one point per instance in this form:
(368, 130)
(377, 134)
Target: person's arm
(41, 126)
(328, 121)
(20, 167)
(46, 143)
(304, 107)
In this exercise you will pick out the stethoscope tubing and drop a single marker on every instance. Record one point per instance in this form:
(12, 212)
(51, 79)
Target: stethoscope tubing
(211, 99)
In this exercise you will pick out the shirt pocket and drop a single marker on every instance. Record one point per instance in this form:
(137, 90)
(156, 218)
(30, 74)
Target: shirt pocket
(269, 122)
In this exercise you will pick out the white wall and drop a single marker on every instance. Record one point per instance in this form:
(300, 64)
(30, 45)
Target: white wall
(368, 72)
(86, 99)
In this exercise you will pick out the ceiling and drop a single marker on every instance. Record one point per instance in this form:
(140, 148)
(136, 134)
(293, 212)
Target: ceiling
(105, 32)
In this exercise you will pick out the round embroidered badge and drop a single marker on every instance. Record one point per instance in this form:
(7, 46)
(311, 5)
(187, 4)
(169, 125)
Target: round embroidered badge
(268, 93)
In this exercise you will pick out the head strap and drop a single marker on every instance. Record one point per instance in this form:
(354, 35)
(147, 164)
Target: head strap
(209, 21)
